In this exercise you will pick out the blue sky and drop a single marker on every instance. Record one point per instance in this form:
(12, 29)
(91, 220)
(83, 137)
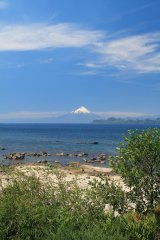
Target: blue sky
(56, 55)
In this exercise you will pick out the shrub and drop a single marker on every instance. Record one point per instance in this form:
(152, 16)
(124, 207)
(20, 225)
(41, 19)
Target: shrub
(30, 210)
(138, 163)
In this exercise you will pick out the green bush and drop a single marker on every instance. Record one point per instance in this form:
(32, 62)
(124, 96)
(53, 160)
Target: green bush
(107, 192)
(138, 163)
(31, 210)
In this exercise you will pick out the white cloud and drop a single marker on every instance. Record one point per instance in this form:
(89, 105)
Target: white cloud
(42, 36)
(90, 65)
(3, 4)
(151, 64)
(139, 53)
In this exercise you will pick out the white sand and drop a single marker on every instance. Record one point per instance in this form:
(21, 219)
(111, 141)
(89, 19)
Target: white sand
(83, 174)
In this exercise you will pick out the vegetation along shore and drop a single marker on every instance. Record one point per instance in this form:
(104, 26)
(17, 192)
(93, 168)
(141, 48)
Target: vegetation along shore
(43, 201)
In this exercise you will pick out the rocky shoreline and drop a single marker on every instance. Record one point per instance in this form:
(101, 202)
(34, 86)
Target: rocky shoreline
(84, 157)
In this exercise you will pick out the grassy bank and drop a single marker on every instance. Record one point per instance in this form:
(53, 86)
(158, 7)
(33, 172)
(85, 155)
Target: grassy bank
(34, 207)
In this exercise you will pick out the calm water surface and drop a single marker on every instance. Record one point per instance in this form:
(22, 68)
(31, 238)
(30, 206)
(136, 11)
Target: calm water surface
(54, 138)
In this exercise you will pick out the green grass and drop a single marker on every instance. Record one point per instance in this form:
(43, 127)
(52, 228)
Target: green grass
(30, 210)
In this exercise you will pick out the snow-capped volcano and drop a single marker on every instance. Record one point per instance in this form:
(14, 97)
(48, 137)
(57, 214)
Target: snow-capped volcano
(81, 110)
(80, 115)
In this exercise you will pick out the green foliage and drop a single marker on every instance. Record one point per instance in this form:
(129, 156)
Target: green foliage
(138, 163)
(108, 193)
(140, 226)
(32, 210)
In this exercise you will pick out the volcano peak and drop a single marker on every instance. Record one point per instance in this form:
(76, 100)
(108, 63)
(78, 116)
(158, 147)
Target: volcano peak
(80, 110)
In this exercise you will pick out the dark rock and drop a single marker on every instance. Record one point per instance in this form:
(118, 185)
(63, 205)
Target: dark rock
(89, 161)
(43, 153)
(28, 154)
(56, 161)
(85, 154)
(19, 156)
(93, 159)
(23, 153)
(82, 154)
(15, 156)
(102, 156)
(3, 149)
(42, 161)
(34, 154)
(88, 142)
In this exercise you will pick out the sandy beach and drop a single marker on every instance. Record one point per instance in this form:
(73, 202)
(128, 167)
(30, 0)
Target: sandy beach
(82, 174)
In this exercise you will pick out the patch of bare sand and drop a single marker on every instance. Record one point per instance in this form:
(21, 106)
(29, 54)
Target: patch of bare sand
(83, 174)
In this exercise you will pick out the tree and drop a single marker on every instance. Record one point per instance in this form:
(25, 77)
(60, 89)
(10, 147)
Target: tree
(138, 163)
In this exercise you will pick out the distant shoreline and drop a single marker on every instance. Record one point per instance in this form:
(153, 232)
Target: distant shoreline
(116, 121)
